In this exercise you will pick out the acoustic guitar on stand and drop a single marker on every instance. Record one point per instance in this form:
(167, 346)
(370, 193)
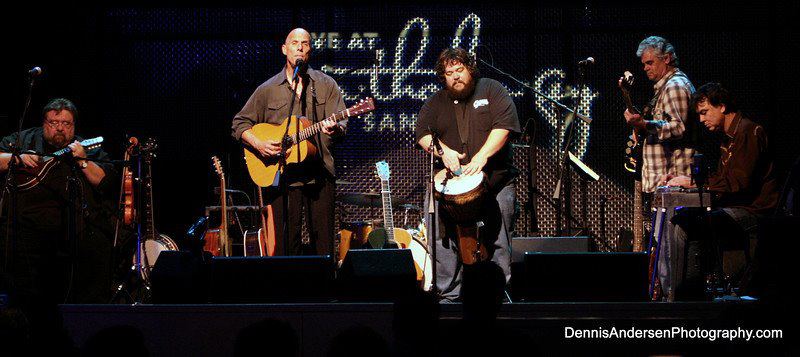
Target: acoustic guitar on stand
(264, 171)
(217, 240)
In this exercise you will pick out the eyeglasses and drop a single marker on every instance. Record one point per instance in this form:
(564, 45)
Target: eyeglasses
(55, 124)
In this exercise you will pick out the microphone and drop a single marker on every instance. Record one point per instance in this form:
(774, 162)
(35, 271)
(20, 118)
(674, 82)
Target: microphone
(588, 61)
(300, 63)
(35, 71)
(435, 142)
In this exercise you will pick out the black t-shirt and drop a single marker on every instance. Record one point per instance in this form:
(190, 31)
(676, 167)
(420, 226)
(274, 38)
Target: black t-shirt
(42, 207)
(489, 107)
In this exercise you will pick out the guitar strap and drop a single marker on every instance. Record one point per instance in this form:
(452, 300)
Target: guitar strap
(651, 106)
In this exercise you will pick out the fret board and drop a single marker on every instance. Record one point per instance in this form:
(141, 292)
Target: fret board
(317, 127)
(388, 222)
(149, 224)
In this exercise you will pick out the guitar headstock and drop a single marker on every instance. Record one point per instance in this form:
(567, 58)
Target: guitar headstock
(362, 107)
(218, 167)
(627, 81)
(92, 144)
(148, 149)
(383, 170)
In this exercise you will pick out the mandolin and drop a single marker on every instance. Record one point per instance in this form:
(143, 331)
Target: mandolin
(264, 171)
(28, 178)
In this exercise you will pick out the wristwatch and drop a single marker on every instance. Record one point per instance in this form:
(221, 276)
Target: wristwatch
(84, 164)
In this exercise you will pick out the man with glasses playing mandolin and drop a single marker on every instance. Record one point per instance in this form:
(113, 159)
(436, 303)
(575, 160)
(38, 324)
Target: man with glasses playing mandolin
(55, 254)
(311, 182)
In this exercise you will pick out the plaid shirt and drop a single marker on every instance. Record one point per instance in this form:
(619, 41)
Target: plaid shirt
(664, 151)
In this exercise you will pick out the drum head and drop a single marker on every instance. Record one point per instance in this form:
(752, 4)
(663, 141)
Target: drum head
(458, 184)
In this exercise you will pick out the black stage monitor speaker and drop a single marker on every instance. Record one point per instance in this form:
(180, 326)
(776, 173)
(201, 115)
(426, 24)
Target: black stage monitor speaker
(583, 277)
(179, 277)
(271, 279)
(377, 275)
(522, 245)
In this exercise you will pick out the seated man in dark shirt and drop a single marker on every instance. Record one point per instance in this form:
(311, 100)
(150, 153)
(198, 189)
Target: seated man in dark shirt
(744, 189)
(35, 256)
(58, 251)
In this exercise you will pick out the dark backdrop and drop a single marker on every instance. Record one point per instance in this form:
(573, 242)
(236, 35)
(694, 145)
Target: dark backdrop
(179, 72)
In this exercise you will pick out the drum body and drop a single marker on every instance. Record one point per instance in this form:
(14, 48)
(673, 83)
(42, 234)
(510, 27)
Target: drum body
(464, 200)
(150, 252)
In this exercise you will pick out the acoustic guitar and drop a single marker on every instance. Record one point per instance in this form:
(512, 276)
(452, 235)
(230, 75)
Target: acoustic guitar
(389, 236)
(264, 171)
(217, 241)
(261, 242)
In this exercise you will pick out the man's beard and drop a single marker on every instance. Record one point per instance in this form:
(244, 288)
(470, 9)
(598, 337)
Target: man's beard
(58, 140)
(463, 93)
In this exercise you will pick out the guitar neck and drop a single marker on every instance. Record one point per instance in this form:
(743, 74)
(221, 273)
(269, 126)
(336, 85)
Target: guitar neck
(628, 102)
(147, 198)
(388, 221)
(638, 218)
(223, 226)
(317, 127)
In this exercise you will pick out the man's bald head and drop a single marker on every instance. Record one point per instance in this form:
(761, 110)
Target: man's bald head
(297, 46)
(298, 33)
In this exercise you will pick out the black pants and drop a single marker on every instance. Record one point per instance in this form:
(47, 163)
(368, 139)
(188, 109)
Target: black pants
(313, 203)
(707, 235)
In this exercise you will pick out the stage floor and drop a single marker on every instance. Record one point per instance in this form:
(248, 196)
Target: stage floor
(441, 330)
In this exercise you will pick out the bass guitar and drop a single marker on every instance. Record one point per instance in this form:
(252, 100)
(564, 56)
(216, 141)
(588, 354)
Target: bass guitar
(264, 171)
(633, 164)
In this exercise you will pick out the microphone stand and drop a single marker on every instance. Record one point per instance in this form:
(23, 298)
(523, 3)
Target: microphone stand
(433, 211)
(556, 103)
(561, 108)
(287, 143)
(564, 177)
(12, 222)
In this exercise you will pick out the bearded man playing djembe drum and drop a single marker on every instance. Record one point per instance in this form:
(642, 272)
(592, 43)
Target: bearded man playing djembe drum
(473, 118)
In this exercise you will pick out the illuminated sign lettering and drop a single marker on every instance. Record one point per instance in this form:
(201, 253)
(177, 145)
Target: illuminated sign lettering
(360, 82)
